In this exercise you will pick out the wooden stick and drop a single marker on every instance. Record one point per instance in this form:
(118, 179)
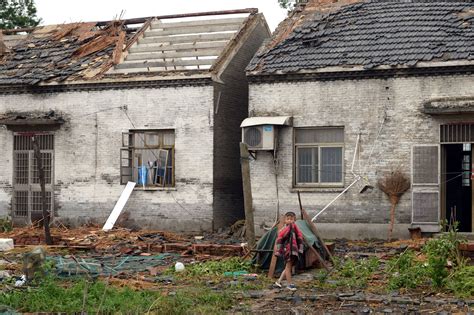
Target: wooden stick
(315, 232)
(315, 252)
(249, 222)
(301, 206)
(271, 270)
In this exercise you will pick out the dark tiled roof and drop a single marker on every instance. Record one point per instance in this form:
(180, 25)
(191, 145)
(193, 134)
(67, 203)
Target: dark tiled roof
(62, 53)
(374, 33)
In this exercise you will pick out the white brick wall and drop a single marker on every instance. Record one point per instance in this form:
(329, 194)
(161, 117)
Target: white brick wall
(359, 106)
(87, 159)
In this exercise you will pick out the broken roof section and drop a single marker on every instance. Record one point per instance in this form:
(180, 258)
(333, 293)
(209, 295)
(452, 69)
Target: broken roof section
(174, 45)
(369, 34)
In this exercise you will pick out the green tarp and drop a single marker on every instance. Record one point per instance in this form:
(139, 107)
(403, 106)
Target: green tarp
(267, 242)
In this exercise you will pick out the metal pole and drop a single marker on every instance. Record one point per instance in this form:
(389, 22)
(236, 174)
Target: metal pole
(337, 197)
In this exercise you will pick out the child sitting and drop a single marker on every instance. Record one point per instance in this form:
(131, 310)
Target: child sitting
(289, 244)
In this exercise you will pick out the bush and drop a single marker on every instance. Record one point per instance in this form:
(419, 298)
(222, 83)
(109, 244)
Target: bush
(5, 225)
(355, 273)
(405, 271)
(439, 251)
(461, 282)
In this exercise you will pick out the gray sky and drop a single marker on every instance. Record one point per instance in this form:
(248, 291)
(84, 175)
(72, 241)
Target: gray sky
(66, 11)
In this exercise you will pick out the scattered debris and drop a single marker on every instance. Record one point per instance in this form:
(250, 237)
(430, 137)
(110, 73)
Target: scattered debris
(6, 244)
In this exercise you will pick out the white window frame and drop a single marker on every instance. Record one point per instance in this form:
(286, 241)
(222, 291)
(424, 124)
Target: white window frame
(317, 184)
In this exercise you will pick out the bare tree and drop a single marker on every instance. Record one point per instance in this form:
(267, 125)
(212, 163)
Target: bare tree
(46, 214)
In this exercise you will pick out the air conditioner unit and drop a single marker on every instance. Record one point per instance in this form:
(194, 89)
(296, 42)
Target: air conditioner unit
(260, 137)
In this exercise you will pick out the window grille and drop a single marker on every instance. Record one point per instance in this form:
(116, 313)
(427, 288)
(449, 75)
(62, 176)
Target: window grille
(26, 201)
(457, 133)
(319, 156)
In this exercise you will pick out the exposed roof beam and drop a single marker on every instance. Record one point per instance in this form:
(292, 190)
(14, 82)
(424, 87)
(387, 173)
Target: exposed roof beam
(178, 54)
(186, 38)
(194, 30)
(144, 19)
(166, 47)
(170, 63)
(162, 25)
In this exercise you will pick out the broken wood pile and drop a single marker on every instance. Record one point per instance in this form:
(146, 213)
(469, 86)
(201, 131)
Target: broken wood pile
(123, 241)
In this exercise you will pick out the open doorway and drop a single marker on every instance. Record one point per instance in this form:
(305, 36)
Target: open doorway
(459, 185)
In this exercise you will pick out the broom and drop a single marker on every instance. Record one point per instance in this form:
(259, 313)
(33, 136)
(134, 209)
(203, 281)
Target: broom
(394, 185)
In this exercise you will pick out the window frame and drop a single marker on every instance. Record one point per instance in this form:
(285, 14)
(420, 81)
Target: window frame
(320, 145)
(129, 146)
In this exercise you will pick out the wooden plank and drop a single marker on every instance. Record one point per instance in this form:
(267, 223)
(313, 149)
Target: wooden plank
(141, 48)
(119, 206)
(249, 222)
(315, 232)
(177, 54)
(137, 35)
(160, 64)
(315, 252)
(312, 226)
(117, 54)
(187, 38)
(271, 269)
(164, 25)
(194, 30)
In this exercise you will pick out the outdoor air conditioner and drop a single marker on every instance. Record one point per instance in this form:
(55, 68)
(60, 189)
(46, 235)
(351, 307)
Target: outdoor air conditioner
(260, 137)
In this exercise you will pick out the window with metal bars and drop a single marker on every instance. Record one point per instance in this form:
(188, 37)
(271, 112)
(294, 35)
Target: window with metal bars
(26, 184)
(147, 158)
(319, 157)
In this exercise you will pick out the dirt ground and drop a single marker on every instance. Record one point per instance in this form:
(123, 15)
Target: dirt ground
(144, 260)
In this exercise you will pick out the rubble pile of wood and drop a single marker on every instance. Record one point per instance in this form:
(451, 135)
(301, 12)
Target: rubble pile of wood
(123, 241)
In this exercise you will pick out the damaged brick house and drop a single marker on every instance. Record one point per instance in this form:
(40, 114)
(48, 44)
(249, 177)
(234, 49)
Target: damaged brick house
(153, 100)
(358, 89)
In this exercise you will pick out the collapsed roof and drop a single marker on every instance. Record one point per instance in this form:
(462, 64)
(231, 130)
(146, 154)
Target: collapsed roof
(173, 45)
(369, 34)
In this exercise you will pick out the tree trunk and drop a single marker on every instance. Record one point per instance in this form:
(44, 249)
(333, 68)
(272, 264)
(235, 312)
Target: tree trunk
(39, 163)
(393, 201)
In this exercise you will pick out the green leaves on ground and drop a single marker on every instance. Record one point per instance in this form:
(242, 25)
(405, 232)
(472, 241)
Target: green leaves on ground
(352, 273)
(405, 271)
(74, 296)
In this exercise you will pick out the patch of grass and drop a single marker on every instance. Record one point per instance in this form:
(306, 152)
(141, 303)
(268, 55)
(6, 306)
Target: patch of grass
(350, 273)
(461, 282)
(55, 295)
(405, 271)
(213, 268)
(5, 225)
(439, 251)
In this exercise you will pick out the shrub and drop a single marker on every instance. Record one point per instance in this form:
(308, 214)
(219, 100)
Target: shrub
(405, 271)
(461, 282)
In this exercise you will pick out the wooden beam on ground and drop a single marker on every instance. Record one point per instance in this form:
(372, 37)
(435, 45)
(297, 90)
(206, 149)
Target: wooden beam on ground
(247, 188)
(313, 228)
(315, 252)
(271, 269)
(315, 232)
